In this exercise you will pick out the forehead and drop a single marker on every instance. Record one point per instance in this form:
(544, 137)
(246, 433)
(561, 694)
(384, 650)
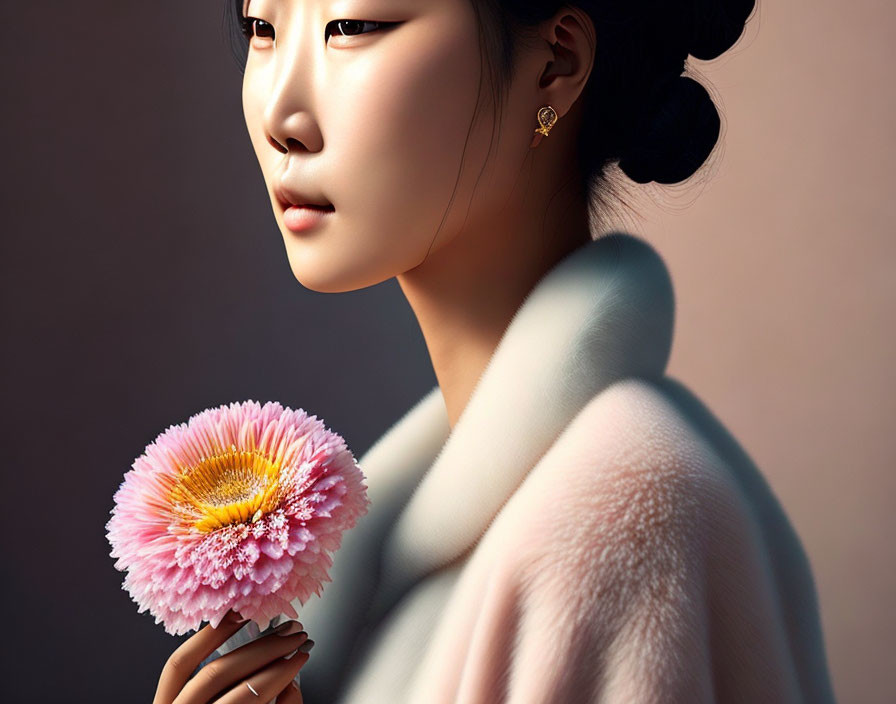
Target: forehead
(406, 4)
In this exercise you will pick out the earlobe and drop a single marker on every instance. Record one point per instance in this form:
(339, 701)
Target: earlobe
(547, 117)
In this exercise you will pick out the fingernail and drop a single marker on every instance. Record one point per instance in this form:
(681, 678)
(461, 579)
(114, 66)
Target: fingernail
(295, 686)
(306, 646)
(288, 628)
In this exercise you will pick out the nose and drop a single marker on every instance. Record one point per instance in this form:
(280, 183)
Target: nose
(288, 118)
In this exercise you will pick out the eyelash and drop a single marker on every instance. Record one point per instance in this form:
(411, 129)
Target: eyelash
(248, 26)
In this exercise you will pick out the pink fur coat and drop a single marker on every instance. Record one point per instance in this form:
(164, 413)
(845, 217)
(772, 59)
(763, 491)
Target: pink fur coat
(588, 532)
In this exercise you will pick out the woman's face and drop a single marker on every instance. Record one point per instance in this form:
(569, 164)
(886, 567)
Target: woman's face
(374, 119)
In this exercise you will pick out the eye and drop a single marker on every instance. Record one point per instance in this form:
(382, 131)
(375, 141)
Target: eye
(254, 27)
(351, 28)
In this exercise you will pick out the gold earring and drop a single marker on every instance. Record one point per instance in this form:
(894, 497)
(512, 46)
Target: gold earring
(547, 116)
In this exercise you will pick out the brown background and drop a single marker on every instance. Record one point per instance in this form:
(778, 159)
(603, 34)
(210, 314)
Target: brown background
(144, 279)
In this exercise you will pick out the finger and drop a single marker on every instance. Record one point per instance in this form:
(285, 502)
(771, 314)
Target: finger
(267, 682)
(223, 673)
(290, 695)
(187, 657)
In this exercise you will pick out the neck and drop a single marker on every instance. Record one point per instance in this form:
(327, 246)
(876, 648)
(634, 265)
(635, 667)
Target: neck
(466, 292)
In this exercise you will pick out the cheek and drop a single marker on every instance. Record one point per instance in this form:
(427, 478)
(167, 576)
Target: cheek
(397, 122)
(254, 97)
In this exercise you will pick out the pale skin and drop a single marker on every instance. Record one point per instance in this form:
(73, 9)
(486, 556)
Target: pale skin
(374, 119)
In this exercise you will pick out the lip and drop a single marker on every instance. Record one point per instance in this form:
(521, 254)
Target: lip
(301, 218)
(302, 211)
(288, 197)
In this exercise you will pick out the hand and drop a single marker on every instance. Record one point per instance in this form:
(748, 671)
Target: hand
(261, 663)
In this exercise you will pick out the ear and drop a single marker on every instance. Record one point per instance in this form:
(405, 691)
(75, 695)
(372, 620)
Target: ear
(571, 40)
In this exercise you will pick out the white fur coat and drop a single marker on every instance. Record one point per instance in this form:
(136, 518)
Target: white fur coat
(587, 533)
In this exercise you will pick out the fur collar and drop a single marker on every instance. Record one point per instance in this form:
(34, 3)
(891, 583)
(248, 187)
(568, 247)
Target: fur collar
(603, 313)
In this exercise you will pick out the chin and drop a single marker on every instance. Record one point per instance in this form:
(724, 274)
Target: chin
(333, 278)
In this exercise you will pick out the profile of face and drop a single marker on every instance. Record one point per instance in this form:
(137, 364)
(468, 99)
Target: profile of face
(369, 105)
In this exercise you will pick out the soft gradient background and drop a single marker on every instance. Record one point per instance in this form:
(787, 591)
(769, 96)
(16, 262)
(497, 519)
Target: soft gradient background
(144, 279)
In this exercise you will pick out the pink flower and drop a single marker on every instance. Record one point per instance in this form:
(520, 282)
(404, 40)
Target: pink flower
(234, 510)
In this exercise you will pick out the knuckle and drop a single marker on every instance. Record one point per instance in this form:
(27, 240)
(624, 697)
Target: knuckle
(177, 663)
(211, 672)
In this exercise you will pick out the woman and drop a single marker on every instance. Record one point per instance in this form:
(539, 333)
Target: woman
(557, 520)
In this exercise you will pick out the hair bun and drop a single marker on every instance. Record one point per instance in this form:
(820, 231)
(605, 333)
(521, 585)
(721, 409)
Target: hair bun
(682, 127)
(717, 26)
(668, 129)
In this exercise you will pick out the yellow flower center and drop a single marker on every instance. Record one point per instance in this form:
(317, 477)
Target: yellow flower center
(233, 487)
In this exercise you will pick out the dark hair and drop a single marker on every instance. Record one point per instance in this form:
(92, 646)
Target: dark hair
(640, 111)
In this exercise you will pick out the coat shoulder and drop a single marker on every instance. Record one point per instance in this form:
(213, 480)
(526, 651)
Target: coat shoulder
(632, 450)
(605, 549)
(637, 535)
(626, 495)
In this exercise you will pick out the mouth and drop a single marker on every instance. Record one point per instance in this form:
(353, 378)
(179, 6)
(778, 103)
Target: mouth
(303, 211)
